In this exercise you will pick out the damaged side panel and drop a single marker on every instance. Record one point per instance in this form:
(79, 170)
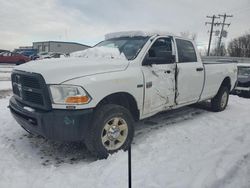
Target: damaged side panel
(161, 94)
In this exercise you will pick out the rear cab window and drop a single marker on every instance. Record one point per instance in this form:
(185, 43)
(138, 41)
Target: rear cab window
(186, 51)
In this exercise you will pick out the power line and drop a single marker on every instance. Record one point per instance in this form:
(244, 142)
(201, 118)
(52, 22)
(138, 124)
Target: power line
(211, 30)
(222, 32)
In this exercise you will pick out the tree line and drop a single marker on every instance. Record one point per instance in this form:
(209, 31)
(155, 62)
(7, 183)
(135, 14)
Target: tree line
(239, 47)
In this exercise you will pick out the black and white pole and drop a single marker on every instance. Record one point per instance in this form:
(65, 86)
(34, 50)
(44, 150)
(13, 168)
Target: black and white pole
(129, 168)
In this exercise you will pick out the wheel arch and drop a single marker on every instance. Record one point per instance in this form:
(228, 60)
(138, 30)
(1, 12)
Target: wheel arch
(124, 99)
(227, 83)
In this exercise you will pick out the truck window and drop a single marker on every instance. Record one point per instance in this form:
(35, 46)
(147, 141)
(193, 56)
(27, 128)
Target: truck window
(129, 46)
(186, 51)
(161, 51)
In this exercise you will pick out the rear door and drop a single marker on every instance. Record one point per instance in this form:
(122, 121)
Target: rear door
(159, 76)
(190, 73)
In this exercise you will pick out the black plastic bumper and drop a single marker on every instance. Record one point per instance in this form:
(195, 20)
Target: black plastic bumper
(61, 125)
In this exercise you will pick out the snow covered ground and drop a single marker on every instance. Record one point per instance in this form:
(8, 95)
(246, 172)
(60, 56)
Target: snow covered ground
(189, 147)
(5, 72)
(5, 85)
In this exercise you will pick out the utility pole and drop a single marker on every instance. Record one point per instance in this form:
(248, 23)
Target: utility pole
(222, 29)
(211, 30)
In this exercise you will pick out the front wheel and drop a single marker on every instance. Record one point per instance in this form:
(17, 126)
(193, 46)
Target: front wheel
(220, 101)
(112, 129)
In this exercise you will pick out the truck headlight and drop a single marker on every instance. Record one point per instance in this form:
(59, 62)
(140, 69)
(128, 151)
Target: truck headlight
(68, 94)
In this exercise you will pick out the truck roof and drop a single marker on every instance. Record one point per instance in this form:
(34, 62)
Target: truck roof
(136, 34)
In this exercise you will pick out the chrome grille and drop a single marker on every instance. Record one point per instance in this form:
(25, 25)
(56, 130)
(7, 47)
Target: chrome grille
(30, 89)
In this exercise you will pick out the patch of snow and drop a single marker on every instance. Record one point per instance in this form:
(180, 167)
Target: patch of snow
(243, 64)
(5, 72)
(5, 85)
(99, 52)
(187, 147)
(135, 34)
(5, 69)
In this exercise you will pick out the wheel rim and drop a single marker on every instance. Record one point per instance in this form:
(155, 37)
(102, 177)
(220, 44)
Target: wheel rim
(224, 99)
(114, 133)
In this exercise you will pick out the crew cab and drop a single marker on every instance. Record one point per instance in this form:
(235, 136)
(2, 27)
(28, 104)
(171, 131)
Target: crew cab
(14, 58)
(97, 94)
(243, 82)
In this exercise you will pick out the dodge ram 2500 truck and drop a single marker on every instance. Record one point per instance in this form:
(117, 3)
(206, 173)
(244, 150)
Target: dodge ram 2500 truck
(97, 95)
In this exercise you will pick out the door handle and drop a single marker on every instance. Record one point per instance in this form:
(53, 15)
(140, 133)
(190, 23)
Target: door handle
(199, 69)
(167, 71)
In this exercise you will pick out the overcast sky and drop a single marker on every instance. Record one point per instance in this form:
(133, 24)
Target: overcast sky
(86, 21)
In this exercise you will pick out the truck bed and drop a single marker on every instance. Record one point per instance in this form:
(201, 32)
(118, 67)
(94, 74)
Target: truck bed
(214, 71)
(217, 60)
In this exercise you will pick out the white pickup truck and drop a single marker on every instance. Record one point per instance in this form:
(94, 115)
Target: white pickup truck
(97, 95)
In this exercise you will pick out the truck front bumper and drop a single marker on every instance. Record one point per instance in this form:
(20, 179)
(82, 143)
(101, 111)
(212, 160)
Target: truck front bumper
(60, 125)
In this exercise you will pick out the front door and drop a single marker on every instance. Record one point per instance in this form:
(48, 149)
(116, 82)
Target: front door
(159, 76)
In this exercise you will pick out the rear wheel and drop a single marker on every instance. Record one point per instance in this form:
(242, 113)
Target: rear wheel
(112, 129)
(220, 101)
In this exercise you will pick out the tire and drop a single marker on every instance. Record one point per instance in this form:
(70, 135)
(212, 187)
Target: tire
(220, 101)
(20, 62)
(112, 129)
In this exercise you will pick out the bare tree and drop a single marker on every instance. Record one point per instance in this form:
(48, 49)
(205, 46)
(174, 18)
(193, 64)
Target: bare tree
(240, 47)
(221, 51)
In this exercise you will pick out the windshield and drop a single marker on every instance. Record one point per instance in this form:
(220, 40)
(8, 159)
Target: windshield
(244, 71)
(129, 46)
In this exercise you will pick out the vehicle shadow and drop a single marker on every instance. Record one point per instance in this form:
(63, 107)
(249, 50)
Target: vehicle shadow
(246, 96)
(60, 153)
(169, 118)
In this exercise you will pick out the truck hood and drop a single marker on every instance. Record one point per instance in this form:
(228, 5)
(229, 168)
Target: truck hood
(56, 71)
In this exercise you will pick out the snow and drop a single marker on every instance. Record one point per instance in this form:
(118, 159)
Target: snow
(135, 34)
(243, 64)
(100, 52)
(5, 85)
(5, 72)
(187, 147)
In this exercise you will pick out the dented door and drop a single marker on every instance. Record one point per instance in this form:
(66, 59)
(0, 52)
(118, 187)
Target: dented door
(159, 77)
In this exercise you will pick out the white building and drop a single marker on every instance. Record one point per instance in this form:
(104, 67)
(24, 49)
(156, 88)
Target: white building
(58, 46)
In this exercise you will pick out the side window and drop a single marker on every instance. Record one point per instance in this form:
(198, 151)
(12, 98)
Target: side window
(186, 51)
(6, 54)
(161, 51)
